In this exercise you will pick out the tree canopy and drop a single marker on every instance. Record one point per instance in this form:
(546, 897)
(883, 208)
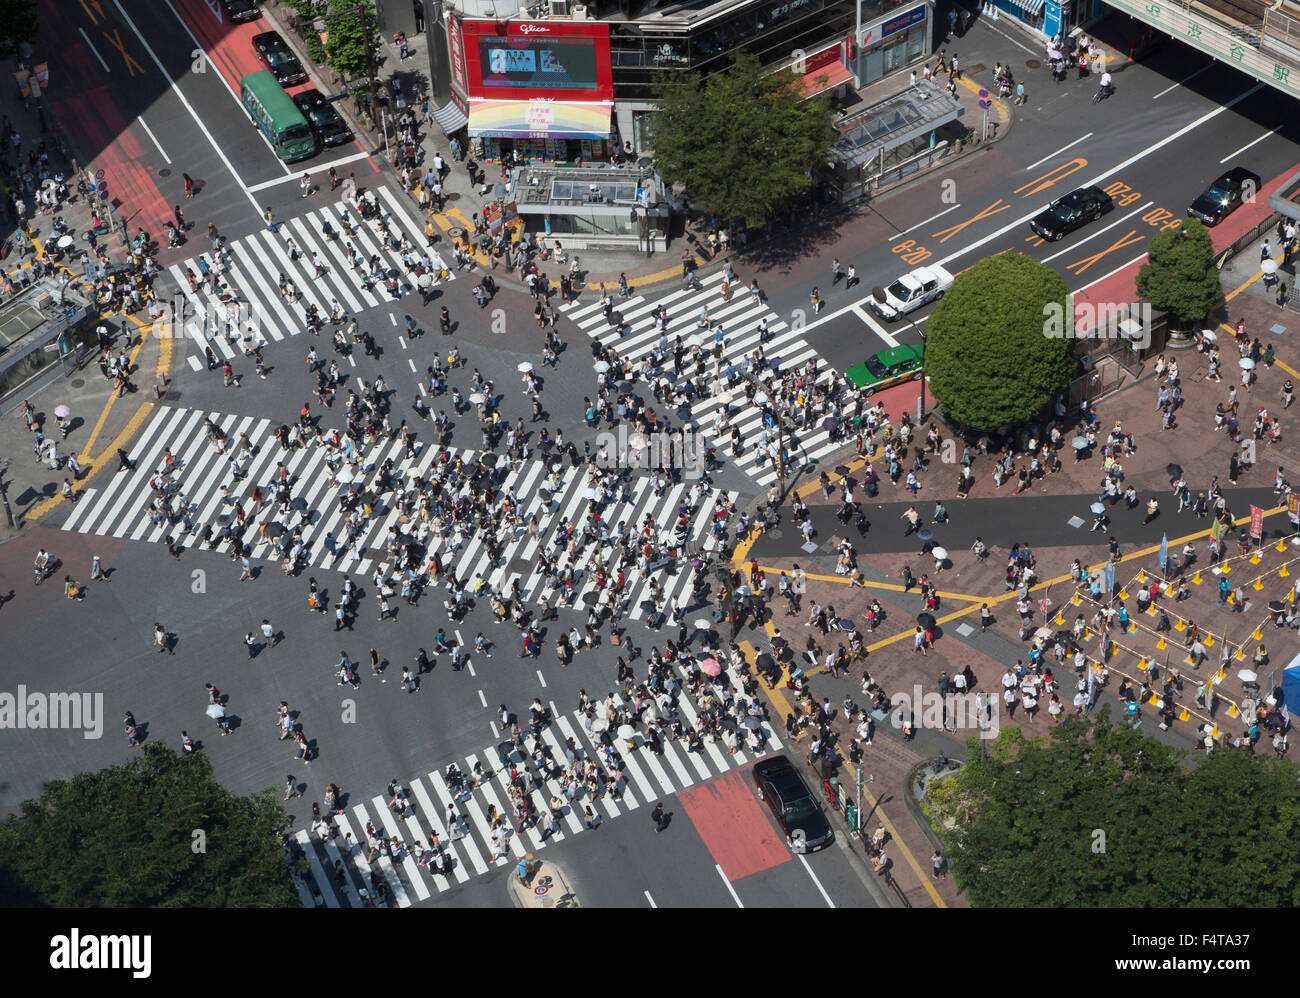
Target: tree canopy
(744, 141)
(1101, 816)
(1179, 276)
(125, 837)
(988, 357)
(348, 25)
(18, 24)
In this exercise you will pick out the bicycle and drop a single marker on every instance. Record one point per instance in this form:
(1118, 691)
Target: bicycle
(1102, 93)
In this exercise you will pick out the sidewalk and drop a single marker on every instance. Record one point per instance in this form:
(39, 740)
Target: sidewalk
(100, 423)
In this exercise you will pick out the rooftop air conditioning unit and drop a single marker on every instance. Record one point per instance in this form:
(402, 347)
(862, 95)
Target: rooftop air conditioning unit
(559, 8)
(579, 12)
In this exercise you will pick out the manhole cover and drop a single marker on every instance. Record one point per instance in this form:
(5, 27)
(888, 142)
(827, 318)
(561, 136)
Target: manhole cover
(776, 533)
(172, 396)
(78, 383)
(1033, 64)
(979, 67)
(164, 172)
(453, 196)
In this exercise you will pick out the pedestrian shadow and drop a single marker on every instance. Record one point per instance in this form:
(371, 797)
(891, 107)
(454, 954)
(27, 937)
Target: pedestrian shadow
(141, 731)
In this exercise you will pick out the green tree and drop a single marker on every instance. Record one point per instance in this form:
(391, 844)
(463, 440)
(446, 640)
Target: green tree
(17, 25)
(308, 11)
(743, 142)
(1179, 276)
(1100, 816)
(124, 837)
(990, 357)
(349, 23)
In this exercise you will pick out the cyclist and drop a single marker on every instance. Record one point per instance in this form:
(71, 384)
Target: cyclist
(1103, 85)
(41, 566)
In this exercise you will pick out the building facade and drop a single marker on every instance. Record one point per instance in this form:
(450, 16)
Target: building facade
(560, 81)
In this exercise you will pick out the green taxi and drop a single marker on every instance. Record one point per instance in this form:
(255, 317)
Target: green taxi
(887, 368)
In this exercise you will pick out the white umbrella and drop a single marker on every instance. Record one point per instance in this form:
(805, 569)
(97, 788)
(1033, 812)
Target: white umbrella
(760, 398)
(590, 493)
(1246, 676)
(1245, 363)
(412, 472)
(345, 476)
(1268, 266)
(648, 715)
(1209, 334)
(62, 411)
(524, 368)
(215, 710)
(626, 732)
(64, 242)
(940, 554)
(601, 366)
(478, 398)
(637, 441)
(599, 725)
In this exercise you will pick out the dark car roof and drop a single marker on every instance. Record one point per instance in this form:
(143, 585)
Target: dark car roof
(783, 777)
(310, 98)
(269, 39)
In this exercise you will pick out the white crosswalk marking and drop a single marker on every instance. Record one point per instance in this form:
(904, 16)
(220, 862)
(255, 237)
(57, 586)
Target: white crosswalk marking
(250, 283)
(648, 777)
(784, 349)
(122, 507)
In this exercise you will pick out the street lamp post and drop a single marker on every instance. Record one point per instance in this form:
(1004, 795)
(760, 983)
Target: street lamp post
(4, 492)
(878, 293)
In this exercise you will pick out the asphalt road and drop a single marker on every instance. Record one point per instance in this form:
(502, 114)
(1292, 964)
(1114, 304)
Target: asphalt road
(1148, 137)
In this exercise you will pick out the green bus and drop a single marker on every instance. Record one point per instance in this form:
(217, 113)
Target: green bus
(277, 116)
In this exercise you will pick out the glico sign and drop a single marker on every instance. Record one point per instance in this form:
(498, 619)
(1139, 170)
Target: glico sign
(524, 60)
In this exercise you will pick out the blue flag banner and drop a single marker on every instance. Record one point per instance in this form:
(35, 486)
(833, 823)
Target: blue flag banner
(1164, 554)
(1110, 576)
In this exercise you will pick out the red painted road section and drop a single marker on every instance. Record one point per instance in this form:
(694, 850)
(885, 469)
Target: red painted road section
(1122, 286)
(84, 100)
(229, 46)
(735, 826)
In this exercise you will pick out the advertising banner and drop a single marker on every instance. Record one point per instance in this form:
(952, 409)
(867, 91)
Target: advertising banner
(523, 60)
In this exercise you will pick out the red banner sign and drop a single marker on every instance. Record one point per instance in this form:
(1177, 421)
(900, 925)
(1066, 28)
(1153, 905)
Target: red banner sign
(1256, 522)
(525, 60)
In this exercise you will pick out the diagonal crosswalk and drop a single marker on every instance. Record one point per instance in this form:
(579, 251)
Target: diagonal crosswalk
(255, 263)
(740, 314)
(120, 507)
(461, 823)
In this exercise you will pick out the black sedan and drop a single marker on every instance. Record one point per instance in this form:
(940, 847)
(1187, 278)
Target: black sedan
(331, 129)
(1068, 213)
(794, 808)
(273, 53)
(242, 10)
(1235, 188)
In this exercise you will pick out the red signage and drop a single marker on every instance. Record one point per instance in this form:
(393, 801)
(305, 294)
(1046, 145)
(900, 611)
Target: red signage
(1256, 522)
(523, 60)
(456, 46)
(826, 57)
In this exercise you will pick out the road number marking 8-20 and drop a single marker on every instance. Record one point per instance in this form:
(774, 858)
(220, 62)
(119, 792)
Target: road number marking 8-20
(911, 252)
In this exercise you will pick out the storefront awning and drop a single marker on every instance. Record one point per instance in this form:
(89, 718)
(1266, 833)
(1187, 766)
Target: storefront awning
(450, 118)
(539, 119)
(827, 78)
(1030, 7)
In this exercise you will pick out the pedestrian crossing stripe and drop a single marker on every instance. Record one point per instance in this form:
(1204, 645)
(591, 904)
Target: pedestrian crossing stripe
(784, 348)
(647, 777)
(256, 261)
(120, 508)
